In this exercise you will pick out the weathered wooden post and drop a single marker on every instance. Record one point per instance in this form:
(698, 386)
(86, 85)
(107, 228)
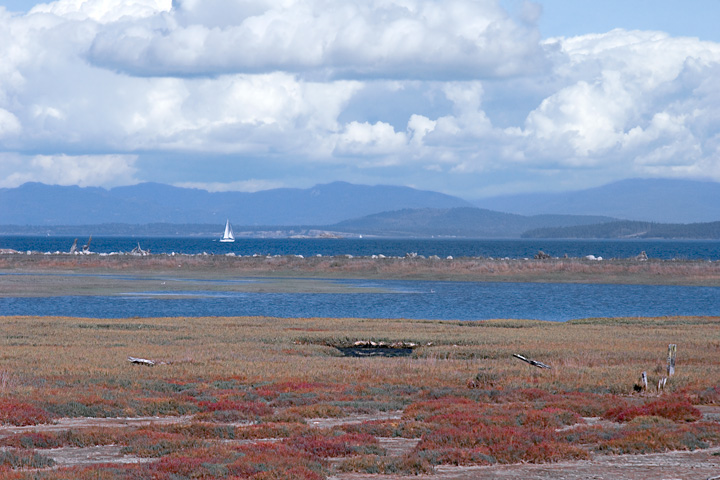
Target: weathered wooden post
(643, 381)
(672, 353)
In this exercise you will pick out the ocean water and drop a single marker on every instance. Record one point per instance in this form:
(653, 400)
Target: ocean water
(511, 248)
(398, 299)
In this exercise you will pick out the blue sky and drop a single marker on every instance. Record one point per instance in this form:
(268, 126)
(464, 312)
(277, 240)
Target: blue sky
(696, 18)
(693, 18)
(469, 97)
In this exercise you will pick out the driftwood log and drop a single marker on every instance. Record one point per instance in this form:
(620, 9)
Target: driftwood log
(141, 361)
(534, 363)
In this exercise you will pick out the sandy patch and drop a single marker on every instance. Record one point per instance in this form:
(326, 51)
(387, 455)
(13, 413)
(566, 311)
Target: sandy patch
(697, 465)
(72, 456)
(353, 419)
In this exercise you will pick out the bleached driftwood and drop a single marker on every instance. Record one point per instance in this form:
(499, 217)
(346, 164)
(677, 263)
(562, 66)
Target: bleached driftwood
(141, 361)
(672, 353)
(86, 247)
(534, 363)
(139, 251)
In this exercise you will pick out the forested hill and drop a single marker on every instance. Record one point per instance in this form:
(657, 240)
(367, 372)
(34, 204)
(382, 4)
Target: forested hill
(457, 222)
(630, 229)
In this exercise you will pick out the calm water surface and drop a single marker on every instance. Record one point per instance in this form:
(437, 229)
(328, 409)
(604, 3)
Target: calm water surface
(401, 299)
(404, 299)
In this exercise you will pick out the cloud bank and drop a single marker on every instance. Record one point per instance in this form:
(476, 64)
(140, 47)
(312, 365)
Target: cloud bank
(81, 170)
(329, 38)
(460, 96)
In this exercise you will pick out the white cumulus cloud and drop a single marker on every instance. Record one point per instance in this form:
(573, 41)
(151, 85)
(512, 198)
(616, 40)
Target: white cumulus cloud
(630, 98)
(368, 90)
(9, 124)
(356, 38)
(103, 11)
(253, 185)
(82, 170)
(367, 139)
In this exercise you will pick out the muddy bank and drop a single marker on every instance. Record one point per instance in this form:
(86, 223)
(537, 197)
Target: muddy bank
(570, 270)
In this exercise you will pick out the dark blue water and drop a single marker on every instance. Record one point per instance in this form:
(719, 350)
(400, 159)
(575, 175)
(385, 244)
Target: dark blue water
(404, 299)
(660, 249)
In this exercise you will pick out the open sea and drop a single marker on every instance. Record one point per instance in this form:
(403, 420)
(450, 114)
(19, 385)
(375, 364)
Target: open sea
(389, 298)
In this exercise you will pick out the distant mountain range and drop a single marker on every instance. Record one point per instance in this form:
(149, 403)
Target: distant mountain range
(649, 200)
(39, 204)
(343, 208)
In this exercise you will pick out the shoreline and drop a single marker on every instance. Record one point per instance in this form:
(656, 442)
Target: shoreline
(471, 269)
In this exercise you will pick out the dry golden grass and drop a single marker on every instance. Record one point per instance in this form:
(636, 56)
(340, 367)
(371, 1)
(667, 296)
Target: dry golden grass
(596, 355)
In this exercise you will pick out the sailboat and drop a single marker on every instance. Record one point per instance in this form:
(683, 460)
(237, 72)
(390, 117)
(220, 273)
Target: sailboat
(228, 235)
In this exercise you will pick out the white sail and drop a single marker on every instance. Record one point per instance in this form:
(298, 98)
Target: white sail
(228, 235)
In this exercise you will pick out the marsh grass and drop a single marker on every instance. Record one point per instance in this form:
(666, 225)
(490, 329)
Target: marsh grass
(19, 459)
(603, 355)
(574, 270)
(250, 379)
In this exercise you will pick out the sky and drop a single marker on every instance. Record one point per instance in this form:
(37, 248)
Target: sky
(473, 98)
